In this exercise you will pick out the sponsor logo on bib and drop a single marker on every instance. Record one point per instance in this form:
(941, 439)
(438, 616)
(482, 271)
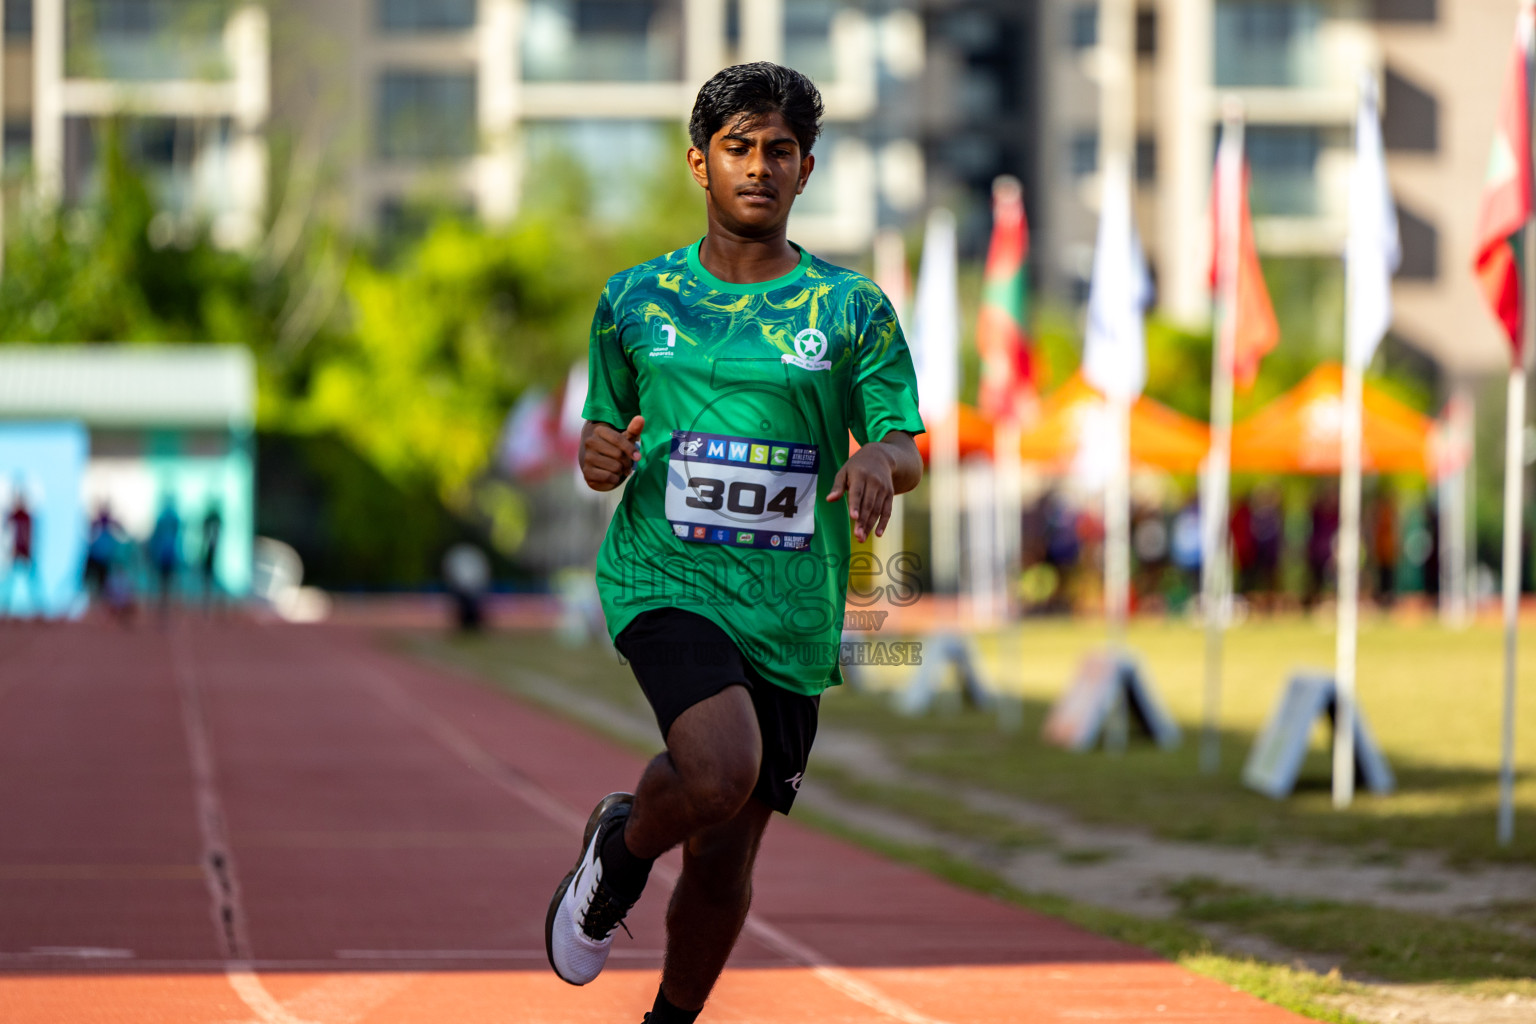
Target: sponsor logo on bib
(810, 347)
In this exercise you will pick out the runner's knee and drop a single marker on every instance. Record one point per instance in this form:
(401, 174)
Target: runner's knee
(716, 792)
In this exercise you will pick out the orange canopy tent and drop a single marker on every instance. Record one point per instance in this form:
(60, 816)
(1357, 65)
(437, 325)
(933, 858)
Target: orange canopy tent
(1160, 437)
(975, 433)
(1299, 432)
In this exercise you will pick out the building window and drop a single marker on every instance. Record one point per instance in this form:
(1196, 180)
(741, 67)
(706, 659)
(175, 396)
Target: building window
(1146, 159)
(1084, 26)
(1146, 32)
(602, 41)
(1411, 116)
(808, 37)
(426, 15)
(1411, 11)
(1268, 42)
(1421, 247)
(613, 162)
(18, 142)
(426, 115)
(18, 19)
(140, 40)
(184, 161)
(1284, 162)
(1085, 154)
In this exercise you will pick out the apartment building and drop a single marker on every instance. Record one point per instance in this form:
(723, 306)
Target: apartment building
(377, 105)
(187, 80)
(1294, 65)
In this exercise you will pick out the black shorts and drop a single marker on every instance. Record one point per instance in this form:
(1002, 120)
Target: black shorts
(681, 658)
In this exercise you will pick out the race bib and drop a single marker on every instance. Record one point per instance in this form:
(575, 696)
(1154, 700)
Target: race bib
(742, 491)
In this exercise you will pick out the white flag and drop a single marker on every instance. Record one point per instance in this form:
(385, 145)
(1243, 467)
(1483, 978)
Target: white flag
(1115, 351)
(1373, 252)
(935, 340)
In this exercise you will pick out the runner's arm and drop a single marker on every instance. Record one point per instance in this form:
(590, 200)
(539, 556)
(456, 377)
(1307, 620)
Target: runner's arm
(873, 476)
(607, 454)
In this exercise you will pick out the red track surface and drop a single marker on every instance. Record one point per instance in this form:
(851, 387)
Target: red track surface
(240, 823)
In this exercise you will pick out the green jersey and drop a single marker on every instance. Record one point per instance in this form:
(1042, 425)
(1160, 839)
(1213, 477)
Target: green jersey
(749, 393)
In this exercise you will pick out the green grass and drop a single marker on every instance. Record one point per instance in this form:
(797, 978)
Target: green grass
(1431, 697)
(1391, 945)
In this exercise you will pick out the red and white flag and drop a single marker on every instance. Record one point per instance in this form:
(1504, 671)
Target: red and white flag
(1506, 204)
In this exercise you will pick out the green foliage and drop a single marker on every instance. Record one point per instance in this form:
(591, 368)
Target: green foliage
(408, 353)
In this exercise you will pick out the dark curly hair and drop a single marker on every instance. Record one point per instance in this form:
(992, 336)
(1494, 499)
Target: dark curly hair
(750, 91)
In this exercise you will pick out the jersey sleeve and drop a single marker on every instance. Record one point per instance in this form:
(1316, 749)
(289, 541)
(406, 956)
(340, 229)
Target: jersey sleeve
(884, 383)
(612, 395)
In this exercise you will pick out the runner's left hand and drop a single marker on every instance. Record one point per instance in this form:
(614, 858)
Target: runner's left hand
(867, 480)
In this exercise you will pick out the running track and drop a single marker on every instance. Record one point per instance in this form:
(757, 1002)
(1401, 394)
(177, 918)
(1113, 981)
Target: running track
(241, 824)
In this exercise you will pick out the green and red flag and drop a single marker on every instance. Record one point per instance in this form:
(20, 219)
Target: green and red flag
(1002, 336)
(1506, 207)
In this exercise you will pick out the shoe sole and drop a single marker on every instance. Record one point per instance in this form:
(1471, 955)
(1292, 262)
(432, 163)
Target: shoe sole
(614, 805)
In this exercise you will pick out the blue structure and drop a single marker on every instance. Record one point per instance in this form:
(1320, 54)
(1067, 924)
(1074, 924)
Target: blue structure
(165, 424)
(45, 462)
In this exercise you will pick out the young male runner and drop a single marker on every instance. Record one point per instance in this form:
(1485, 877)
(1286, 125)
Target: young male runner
(725, 379)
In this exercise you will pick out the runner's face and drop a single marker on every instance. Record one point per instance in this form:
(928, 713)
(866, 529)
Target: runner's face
(751, 175)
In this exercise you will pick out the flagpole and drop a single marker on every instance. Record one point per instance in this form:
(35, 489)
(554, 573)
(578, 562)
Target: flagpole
(1345, 641)
(890, 269)
(1514, 531)
(1514, 485)
(1349, 586)
(1368, 266)
(1514, 528)
(1219, 461)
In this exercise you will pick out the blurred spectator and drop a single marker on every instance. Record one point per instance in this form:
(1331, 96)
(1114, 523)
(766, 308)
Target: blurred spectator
(102, 538)
(1149, 540)
(1063, 549)
(1384, 541)
(20, 524)
(467, 576)
(1267, 525)
(1323, 532)
(1423, 546)
(213, 528)
(165, 549)
(1241, 526)
(1184, 549)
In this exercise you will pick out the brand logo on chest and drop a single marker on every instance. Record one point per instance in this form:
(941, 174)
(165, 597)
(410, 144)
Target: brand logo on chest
(666, 343)
(810, 348)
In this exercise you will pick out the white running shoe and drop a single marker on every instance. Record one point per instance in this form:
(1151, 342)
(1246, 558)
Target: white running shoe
(584, 913)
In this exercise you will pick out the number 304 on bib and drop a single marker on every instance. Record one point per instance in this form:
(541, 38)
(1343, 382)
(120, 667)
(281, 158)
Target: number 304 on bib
(741, 491)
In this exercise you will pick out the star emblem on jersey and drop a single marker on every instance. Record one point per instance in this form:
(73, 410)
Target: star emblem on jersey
(810, 347)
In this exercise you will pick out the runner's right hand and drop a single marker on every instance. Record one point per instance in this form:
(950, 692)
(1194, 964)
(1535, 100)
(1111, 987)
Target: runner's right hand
(608, 456)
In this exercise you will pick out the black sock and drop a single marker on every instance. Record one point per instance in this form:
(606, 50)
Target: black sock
(665, 1013)
(623, 871)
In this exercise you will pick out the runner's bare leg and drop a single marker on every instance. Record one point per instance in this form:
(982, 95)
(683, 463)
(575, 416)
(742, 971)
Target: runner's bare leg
(714, 751)
(709, 904)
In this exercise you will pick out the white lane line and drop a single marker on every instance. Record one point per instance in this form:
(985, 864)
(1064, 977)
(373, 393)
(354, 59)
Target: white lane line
(480, 954)
(218, 863)
(256, 997)
(504, 776)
